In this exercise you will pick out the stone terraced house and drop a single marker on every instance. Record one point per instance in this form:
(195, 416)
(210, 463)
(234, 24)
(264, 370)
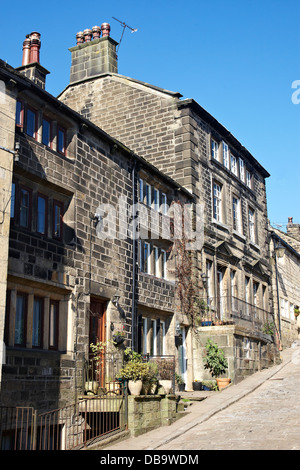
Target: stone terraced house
(178, 136)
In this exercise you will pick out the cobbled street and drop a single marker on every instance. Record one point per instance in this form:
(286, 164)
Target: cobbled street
(266, 419)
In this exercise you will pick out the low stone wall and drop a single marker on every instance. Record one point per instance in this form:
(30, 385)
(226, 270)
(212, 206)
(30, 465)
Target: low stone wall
(147, 412)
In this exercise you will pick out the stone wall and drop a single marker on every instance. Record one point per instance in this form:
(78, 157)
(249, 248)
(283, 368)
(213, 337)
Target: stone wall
(147, 412)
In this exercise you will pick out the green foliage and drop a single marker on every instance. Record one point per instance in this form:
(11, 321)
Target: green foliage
(215, 360)
(269, 328)
(134, 371)
(179, 379)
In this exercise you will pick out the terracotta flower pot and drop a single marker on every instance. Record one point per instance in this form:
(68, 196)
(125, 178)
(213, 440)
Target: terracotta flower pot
(223, 383)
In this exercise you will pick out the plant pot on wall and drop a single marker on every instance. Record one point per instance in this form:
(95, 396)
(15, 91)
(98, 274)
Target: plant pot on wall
(135, 387)
(223, 382)
(167, 385)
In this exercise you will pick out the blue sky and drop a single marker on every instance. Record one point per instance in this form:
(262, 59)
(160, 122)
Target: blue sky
(237, 59)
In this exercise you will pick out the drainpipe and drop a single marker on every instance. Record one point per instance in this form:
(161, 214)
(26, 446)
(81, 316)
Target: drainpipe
(277, 288)
(133, 307)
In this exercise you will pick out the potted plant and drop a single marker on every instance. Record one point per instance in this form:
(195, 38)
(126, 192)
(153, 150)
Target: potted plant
(135, 372)
(296, 311)
(197, 385)
(150, 381)
(216, 362)
(165, 374)
(180, 382)
(119, 337)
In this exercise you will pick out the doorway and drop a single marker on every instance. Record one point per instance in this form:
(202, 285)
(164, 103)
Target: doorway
(97, 333)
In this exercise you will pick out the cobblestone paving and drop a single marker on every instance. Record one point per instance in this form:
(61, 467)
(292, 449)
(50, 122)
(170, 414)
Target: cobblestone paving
(266, 419)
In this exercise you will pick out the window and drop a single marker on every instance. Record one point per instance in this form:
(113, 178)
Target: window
(251, 221)
(57, 219)
(236, 212)
(233, 165)
(209, 290)
(46, 132)
(255, 294)
(156, 261)
(41, 222)
(25, 207)
(217, 207)
(19, 114)
(53, 324)
(147, 252)
(13, 200)
(37, 322)
(247, 294)
(248, 179)
(242, 170)
(156, 199)
(152, 332)
(148, 195)
(61, 140)
(163, 264)
(21, 320)
(141, 190)
(164, 204)
(214, 149)
(31, 123)
(225, 155)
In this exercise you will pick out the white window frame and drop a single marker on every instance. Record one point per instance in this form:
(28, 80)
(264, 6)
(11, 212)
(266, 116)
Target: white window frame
(233, 165)
(248, 179)
(156, 200)
(214, 149)
(225, 155)
(236, 214)
(156, 261)
(242, 169)
(148, 195)
(217, 202)
(164, 205)
(164, 271)
(251, 222)
(147, 259)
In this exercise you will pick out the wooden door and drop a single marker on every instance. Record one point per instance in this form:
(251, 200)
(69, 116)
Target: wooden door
(97, 334)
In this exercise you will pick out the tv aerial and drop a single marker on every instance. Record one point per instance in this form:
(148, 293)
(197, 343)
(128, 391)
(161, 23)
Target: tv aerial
(133, 30)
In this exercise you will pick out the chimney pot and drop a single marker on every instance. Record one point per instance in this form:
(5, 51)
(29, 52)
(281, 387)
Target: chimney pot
(87, 35)
(79, 38)
(35, 47)
(105, 28)
(96, 30)
(290, 220)
(26, 50)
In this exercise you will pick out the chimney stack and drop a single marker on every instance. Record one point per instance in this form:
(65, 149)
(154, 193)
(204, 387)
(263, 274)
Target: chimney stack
(293, 229)
(94, 53)
(31, 66)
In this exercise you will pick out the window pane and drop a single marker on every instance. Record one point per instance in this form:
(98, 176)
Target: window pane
(24, 208)
(61, 141)
(30, 123)
(53, 325)
(41, 215)
(57, 221)
(46, 133)
(37, 322)
(19, 114)
(20, 321)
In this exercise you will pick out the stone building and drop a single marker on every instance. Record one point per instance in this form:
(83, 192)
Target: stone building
(179, 137)
(71, 243)
(285, 258)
